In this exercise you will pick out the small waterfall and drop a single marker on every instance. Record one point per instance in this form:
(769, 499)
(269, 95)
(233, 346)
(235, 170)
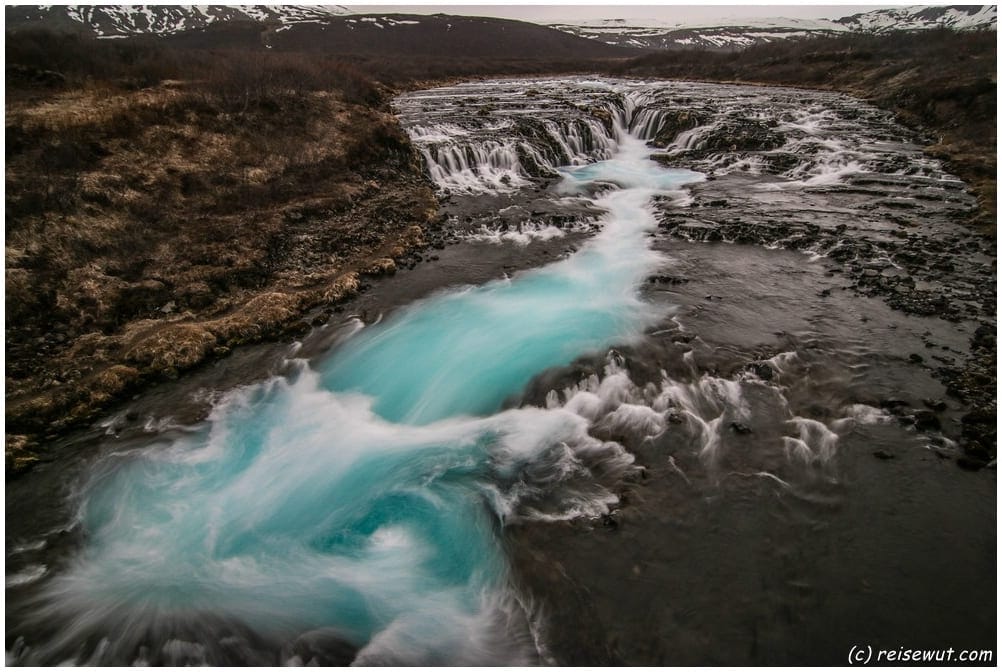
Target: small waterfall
(489, 166)
(467, 162)
(497, 151)
(647, 123)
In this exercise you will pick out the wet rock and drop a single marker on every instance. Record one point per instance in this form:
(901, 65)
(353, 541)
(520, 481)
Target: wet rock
(984, 337)
(894, 406)
(760, 369)
(937, 405)
(667, 279)
(381, 266)
(969, 463)
(781, 162)
(742, 135)
(325, 647)
(673, 123)
(976, 450)
(926, 421)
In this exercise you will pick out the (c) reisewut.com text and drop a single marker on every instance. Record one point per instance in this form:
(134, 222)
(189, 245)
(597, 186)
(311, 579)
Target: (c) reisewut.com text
(866, 655)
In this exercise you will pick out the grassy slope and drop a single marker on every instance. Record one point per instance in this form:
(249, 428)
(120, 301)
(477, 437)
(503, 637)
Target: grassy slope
(150, 228)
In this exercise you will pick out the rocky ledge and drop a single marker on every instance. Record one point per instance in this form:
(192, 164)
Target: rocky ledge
(923, 261)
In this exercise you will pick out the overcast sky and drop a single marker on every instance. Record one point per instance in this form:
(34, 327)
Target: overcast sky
(672, 13)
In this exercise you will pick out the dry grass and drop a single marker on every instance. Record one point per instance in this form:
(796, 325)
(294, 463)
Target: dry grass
(151, 229)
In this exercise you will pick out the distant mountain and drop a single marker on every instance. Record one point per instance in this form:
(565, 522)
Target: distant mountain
(335, 29)
(328, 29)
(648, 34)
(740, 33)
(439, 35)
(956, 17)
(116, 21)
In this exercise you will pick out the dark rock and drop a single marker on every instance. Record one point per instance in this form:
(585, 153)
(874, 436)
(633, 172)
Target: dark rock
(979, 416)
(760, 369)
(926, 420)
(984, 337)
(883, 455)
(970, 463)
(299, 327)
(667, 279)
(742, 135)
(915, 358)
(675, 418)
(325, 647)
(740, 428)
(673, 123)
(937, 405)
(895, 406)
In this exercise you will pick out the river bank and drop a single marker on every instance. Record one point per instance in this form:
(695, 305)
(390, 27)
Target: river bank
(153, 230)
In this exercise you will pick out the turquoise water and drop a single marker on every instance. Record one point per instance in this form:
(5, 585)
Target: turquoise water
(366, 495)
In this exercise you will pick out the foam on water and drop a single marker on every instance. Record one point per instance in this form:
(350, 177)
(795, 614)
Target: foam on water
(363, 499)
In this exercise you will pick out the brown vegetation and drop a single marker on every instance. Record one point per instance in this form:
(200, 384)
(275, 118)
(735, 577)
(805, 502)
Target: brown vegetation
(163, 207)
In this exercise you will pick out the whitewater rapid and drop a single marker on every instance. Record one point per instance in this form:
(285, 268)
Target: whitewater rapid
(361, 501)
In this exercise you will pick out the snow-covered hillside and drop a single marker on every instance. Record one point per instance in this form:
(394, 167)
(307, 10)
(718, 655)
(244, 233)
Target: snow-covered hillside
(111, 21)
(730, 33)
(957, 17)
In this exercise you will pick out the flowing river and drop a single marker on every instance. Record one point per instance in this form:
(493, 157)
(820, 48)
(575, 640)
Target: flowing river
(582, 414)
